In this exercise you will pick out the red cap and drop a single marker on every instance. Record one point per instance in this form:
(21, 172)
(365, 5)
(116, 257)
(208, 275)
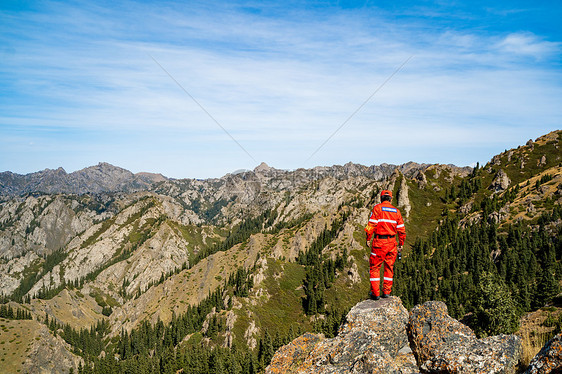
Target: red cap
(386, 193)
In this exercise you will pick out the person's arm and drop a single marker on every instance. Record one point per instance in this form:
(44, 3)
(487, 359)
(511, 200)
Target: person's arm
(370, 228)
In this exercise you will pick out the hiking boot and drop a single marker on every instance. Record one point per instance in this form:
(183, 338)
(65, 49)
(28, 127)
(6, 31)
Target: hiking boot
(374, 297)
(384, 295)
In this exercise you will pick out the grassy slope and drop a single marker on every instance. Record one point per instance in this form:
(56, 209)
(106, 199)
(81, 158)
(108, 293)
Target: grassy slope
(16, 339)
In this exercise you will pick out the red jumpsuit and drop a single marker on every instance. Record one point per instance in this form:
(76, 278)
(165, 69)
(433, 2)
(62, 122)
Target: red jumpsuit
(384, 223)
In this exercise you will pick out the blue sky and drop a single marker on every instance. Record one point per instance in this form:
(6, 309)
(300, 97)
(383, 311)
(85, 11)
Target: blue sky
(78, 83)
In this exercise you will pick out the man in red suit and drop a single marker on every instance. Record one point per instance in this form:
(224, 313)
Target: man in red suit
(384, 224)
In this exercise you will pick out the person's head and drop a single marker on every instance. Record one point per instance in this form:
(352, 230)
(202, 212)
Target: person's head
(386, 195)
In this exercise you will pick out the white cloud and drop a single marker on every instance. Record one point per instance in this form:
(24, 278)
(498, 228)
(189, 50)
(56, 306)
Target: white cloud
(280, 86)
(528, 44)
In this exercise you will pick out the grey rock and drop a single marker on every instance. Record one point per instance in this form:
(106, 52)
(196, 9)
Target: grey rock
(442, 344)
(501, 182)
(549, 358)
(509, 155)
(404, 199)
(421, 178)
(372, 340)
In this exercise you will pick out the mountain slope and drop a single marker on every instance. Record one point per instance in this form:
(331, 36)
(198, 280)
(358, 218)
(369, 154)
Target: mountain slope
(255, 257)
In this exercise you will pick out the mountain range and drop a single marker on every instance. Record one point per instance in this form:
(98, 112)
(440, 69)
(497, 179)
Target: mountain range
(240, 265)
(102, 178)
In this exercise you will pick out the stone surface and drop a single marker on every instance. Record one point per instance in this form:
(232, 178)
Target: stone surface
(372, 340)
(403, 199)
(549, 359)
(501, 182)
(420, 177)
(442, 344)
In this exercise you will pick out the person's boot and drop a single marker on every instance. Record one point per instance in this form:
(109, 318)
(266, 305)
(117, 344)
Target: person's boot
(374, 297)
(384, 295)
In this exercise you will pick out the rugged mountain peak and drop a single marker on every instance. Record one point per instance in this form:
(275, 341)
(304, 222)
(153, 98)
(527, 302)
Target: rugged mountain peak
(100, 178)
(104, 168)
(151, 177)
(262, 168)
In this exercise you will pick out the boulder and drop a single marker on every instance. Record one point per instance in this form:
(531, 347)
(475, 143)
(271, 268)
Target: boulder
(549, 359)
(442, 344)
(372, 340)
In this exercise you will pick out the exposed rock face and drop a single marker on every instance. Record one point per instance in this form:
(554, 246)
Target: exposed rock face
(501, 182)
(549, 359)
(420, 177)
(369, 342)
(441, 344)
(403, 199)
(45, 223)
(353, 273)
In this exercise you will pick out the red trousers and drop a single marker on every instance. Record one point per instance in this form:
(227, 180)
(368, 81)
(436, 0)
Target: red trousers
(384, 250)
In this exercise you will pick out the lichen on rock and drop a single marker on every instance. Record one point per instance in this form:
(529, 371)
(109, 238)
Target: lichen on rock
(549, 359)
(370, 341)
(442, 344)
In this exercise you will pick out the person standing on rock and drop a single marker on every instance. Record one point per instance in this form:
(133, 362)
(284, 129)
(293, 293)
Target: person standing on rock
(385, 222)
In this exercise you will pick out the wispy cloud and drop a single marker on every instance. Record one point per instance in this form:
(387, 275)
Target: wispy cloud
(529, 45)
(280, 80)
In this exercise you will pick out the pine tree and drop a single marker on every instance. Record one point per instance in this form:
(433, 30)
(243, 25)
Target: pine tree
(495, 311)
(547, 288)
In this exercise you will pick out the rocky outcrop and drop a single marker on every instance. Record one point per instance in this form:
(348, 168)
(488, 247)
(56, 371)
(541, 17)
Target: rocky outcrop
(375, 338)
(369, 342)
(421, 178)
(442, 344)
(501, 182)
(549, 359)
(403, 198)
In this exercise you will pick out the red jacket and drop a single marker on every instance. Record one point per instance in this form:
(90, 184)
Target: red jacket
(385, 219)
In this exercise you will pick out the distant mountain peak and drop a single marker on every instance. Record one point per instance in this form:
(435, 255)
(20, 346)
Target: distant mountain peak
(101, 178)
(263, 167)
